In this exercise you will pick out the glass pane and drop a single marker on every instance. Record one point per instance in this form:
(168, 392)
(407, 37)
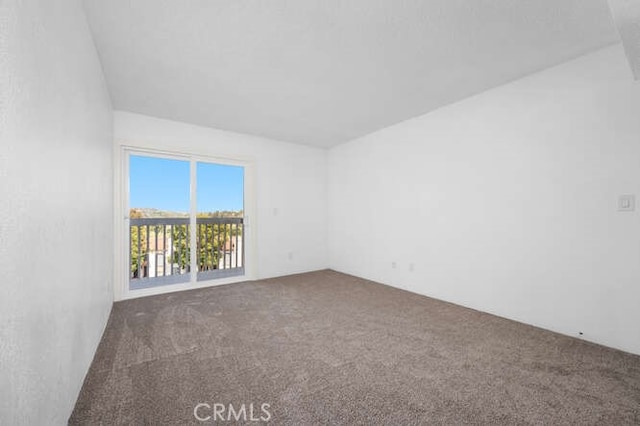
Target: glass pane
(220, 222)
(159, 221)
(159, 187)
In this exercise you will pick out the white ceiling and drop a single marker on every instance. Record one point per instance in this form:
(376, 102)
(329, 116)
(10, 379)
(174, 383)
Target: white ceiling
(322, 72)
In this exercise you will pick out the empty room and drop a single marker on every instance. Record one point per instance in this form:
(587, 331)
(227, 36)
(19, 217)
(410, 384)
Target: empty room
(307, 212)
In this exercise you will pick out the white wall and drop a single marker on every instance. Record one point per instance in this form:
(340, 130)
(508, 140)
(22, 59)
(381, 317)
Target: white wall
(506, 202)
(289, 179)
(56, 209)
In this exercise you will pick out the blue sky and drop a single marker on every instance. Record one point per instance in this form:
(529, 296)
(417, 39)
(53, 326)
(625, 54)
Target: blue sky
(164, 184)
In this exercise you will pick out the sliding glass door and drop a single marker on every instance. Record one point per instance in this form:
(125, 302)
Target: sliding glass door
(219, 220)
(175, 204)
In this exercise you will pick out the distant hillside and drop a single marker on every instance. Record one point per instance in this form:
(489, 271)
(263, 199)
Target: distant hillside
(222, 213)
(138, 213)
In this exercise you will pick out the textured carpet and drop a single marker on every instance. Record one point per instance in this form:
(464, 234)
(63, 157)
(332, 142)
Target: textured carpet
(328, 348)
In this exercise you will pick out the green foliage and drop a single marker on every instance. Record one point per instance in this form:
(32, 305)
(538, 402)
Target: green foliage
(180, 251)
(208, 247)
(138, 251)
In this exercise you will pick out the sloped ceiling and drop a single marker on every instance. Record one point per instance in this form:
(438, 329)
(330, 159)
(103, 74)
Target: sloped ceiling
(321, 72)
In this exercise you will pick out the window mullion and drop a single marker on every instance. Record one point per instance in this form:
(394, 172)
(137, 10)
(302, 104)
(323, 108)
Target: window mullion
(193, 224)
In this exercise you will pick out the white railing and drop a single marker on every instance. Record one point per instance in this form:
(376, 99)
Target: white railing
(159, 250)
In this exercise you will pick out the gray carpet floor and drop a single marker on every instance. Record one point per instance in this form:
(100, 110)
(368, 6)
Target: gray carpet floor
(328, 348)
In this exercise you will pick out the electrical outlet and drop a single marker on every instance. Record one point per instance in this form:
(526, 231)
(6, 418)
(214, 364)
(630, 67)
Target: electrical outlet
(411, 267)
(393, 265)
(626, 203)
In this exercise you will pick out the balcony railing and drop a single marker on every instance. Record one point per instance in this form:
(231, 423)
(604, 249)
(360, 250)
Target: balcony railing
(220, 247)
(159, 250)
